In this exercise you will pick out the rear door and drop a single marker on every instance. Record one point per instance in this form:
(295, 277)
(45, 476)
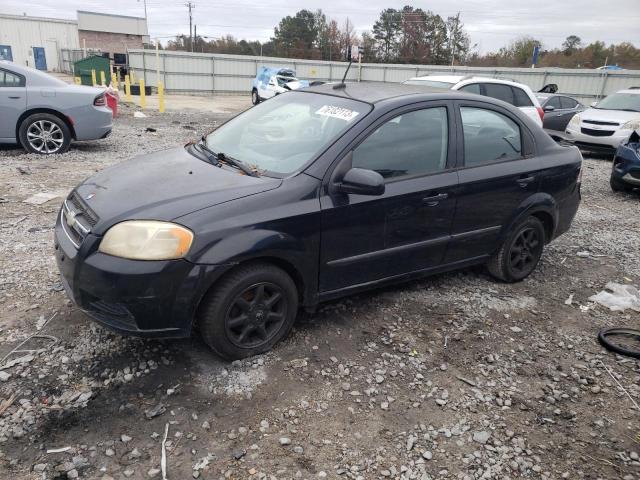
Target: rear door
(553, 120)
(569, 107)
(368, 238)
(13, 101)
(498, 173)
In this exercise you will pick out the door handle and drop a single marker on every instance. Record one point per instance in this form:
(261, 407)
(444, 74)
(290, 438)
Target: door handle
(524, 181)
(435, 199)
(14, 98)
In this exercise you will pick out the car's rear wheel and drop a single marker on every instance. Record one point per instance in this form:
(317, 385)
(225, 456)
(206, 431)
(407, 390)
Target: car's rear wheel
(619, 185)
(255, 98)
(520, 252)
(45, 134)
(248, 311)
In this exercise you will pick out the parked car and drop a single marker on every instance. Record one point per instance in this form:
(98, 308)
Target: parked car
(608, 123)
(625, 172)
(516, 94)
(366, 185)
(44, 114)
(558, 110)
(270, 82)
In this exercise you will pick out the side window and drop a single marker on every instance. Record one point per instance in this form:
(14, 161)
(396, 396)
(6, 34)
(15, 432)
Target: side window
(471, 88)
(500, 92)
(414, 143)
(8, 79)
(489, 137)
(568, 103)
(521, 98)
(553, 102)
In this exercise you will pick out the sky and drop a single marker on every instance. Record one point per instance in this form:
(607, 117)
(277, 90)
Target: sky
(491, 24)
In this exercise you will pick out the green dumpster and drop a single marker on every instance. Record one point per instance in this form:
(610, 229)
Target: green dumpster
(82, 68)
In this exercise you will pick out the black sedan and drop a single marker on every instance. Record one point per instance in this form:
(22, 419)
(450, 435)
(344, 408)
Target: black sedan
(308, 197)
(558, 110)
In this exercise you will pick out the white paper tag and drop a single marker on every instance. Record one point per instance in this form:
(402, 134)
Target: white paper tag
(337, 112)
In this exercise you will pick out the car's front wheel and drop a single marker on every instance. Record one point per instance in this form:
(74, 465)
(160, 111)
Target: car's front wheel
(44, 133)
(255, 98)
(248, 311)
(520, 252)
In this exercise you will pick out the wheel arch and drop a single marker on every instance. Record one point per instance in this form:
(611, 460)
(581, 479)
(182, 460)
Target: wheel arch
(540, 205)
(50, 111)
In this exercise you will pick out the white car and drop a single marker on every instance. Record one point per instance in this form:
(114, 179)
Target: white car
(514, 93)
(607, 123)
(270, 82)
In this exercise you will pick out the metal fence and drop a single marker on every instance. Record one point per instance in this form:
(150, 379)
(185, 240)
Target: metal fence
(205, 73)
(70, 56)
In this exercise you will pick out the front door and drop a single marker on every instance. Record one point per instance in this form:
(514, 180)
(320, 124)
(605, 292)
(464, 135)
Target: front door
(369, 238)
(497, 175)
(5, 53)
(13, 101)
(39, 58)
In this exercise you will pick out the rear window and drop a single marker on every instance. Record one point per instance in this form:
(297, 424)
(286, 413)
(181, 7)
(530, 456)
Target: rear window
(521, 98)
(8, 79)
(567, 102)
(499, 92)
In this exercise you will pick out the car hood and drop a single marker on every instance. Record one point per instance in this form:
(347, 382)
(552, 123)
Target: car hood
(609, 115)
(163, 186)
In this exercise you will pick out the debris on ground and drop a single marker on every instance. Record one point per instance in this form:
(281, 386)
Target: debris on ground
(618, 298)
(42, 197)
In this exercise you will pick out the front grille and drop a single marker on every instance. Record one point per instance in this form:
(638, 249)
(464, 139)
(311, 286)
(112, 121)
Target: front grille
(77, 219)
(596, 133)
(81, 208)
(597, 122)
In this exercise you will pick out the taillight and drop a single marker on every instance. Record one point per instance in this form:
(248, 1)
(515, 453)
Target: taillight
(100, 100)
(540, 112)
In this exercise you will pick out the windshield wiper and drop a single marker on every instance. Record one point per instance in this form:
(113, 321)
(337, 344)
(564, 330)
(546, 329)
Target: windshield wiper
(236, 163)
(211, 156)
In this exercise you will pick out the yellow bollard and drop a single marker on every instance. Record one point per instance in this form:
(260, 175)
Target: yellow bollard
(143, 98)
(93, 78)
(160, 97)
(103, 80)
(77, 80)
(114, 82)
(127, 88)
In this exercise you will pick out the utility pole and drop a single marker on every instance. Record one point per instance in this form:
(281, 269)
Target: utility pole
(195, 36)
(191, 6)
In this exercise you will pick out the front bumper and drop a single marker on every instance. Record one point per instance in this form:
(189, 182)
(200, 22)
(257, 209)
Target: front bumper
(596, 143)
(626, 164)
(141, 298)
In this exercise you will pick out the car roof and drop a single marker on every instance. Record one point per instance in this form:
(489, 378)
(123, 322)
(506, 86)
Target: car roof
(633, 91)
(35, 78)
(373, 92)
(441, 78)
(468, 79)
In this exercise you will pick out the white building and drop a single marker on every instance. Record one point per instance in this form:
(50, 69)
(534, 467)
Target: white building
(36, 41)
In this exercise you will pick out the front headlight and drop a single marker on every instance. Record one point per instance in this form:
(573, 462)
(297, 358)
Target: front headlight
(147, 240)
(632, 125)
(575, 120)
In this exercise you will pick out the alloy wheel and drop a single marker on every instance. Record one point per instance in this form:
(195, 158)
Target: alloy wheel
(45, 136)
(256, 315)
(525, 251)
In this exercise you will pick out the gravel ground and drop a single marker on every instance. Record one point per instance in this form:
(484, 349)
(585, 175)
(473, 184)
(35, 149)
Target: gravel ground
(451, 377)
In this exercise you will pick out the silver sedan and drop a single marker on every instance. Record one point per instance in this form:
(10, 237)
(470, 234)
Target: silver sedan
(44, 114)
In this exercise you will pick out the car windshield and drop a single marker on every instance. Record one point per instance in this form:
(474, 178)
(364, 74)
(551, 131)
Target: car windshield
(282, 80)
(621, 101)
(429, 83)
(280, 136)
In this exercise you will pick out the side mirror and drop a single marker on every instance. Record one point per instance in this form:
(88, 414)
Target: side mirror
(549, 108)
(593, 104)
(361, 182)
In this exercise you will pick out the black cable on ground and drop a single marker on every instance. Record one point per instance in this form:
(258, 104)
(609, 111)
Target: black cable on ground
(607, 336)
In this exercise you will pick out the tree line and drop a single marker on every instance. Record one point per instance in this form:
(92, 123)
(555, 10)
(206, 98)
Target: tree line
(408, 35)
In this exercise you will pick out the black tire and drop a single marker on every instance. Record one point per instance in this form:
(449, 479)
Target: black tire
(255, 98)
(520, 252)
(236, 321)
(45, 134)
(605, 333)
(619, 185)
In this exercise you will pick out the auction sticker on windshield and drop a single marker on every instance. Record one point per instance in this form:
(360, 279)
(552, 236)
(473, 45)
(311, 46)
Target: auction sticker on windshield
(337, 112)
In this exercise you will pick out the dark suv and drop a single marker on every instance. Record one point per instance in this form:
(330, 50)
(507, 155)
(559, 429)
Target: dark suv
(313, 195)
